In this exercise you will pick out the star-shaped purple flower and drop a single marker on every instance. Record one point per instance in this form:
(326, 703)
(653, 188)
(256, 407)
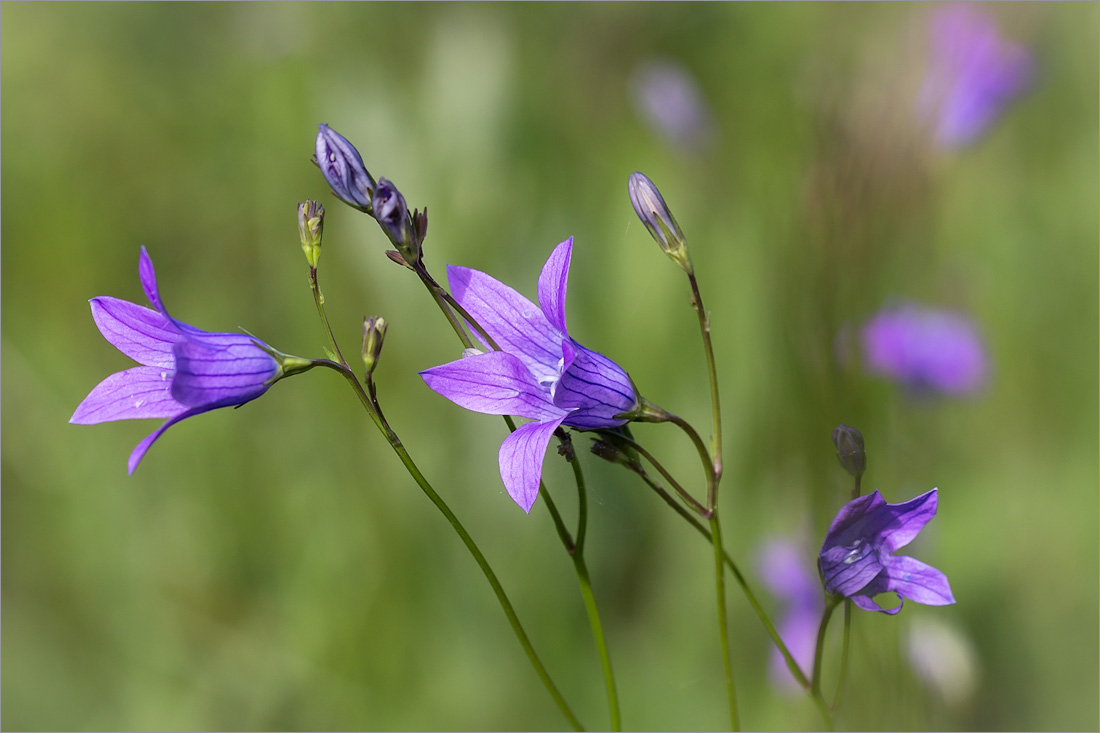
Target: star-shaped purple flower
(185, 371)
(539, 373)
(856, 560)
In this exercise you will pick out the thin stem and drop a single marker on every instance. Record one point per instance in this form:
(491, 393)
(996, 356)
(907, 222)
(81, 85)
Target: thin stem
(792, 665)
(708, 466)
(831, 602)
(319, 300)
(702, 510)
(586, 589)
(716, 410)
(723, 628)
(471, 546)
(440, 294)
(844, 653)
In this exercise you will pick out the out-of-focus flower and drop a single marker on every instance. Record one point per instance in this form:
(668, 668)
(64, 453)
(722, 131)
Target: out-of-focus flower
(943, 657)
(857, 559)
(925, 349)
(540, 372)
(669, 99)
(343, 169)
(973, 74)
(185, 371)
(788, 577)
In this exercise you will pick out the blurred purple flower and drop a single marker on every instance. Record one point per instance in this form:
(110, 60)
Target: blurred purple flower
(787, 576)
(973, 74)
(857, 559)
(539, 373)
(185, 371)
(925, 348)
(671, 102)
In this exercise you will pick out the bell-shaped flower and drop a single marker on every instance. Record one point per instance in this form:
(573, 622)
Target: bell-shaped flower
(184, 371)
(540, 372)
(857, 559)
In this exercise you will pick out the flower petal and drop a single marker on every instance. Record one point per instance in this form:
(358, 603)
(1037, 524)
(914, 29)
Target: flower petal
(521, 457)
(552, 284)
(141, 333)
(516, 324)
(149, 280)
(496, 383)
(907, 519)
(917, 581)
(141, 448)
(847, 570)
(230, 372)
(850, 523)
(137, 393)
(868, 604)
(593, 387)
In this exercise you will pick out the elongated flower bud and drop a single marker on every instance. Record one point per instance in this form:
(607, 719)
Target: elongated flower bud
(392, 214)
(651, 208)
(343, 169)
(374, 332)
(311, 224)
(849, 449)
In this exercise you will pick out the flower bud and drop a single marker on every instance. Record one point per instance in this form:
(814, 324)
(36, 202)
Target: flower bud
(343, 169)
(311, 223)
(392, 215)
(849, 449)
(374, 331)
(651, 208)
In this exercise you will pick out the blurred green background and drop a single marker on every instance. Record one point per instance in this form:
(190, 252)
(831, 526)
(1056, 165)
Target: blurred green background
(274, 567)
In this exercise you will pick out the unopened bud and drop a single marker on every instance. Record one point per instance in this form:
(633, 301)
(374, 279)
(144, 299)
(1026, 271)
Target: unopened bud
(374, 332)
(343, 169)
(311, 224)
(651, 208)
(392, 215)
(849, 449)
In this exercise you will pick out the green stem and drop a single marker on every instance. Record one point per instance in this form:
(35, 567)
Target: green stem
(844, 653)
(723, 629)
(319, 301)
(702, 510)
(586, 591)
(708, 466)
(716, 410)
(471, 546)
(792, 665)
(831, 602)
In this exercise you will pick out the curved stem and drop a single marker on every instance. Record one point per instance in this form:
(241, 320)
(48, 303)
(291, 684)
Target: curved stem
(319, 300)
(716, 410)
(471, 546)
(708, 466)
(792, 665)
(702, 510)
(831, 602)
(723, 628)
(586, 591)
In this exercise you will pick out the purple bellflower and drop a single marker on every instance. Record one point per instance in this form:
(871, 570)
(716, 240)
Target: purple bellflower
(788, 577)
(925, 349)
(343, 169)
(857, 560)
(539, 373)
(184, 371)
(973, 74)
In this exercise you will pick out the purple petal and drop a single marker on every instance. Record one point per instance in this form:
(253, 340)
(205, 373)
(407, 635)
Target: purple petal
(496, 383)
(849, 522)
(141, 333)
(141, 448)
(552, 284)
(848, 570)
(516, 324)
(907, 520)
(913, 579)
(521, 457)
(867, 604)
(593, 387)
(149, 280)
(231, 372)
(137, 393)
